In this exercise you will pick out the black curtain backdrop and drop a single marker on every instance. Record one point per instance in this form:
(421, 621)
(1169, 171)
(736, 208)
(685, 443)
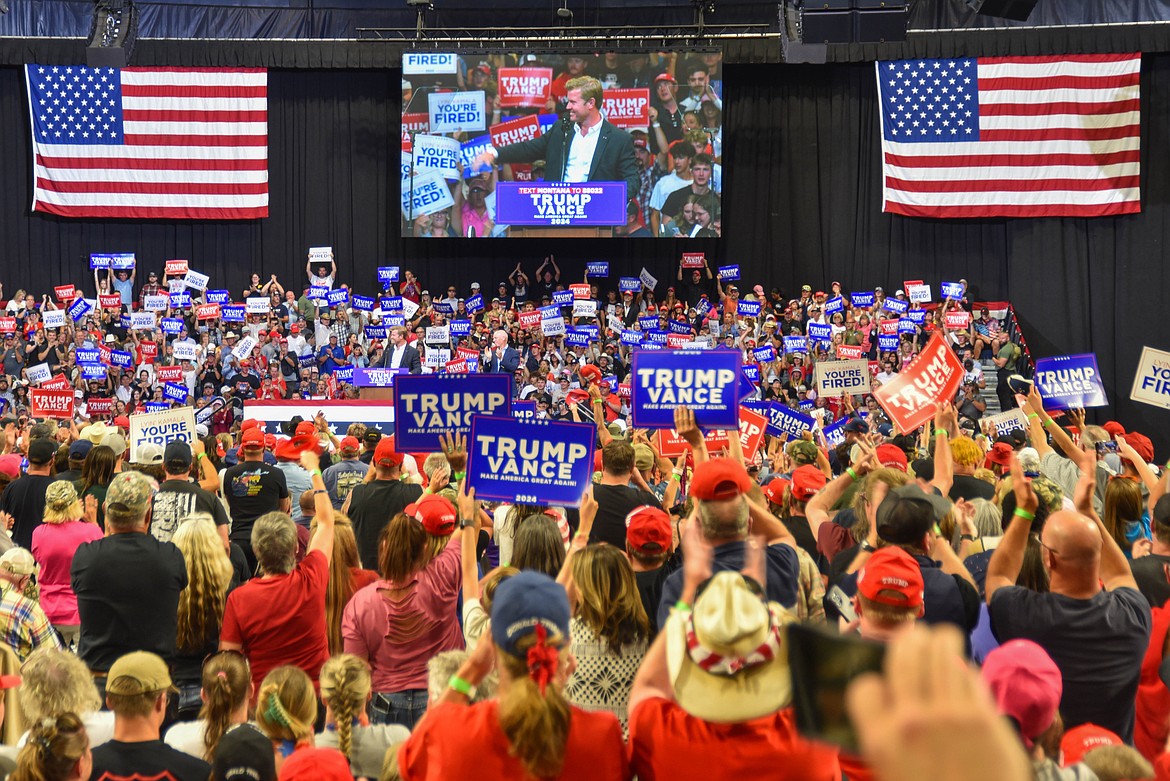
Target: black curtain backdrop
(802, 203)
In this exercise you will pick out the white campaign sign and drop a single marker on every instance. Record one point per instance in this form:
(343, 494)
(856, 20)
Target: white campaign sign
(836, 378)
(430, 194)
(1004, 422)
(54, 318)
(1151, 383)
(436, 155)
(142, 321)
(184, 351)
(408, 308)
(648, 279)
(39, 373)
(158, 303)
(244, 348)
(258, 305)
(320, 254)
(429, 63)
(918, 294)
(553, 326)
(584, 308)
(161, 428)
(196, 280)
(455, 112)
(438, 334)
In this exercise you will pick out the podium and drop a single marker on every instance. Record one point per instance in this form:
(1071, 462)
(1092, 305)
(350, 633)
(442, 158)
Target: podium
(376, 394)
(534, 232)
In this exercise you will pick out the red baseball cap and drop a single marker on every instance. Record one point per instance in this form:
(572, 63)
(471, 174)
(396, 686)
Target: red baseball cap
(806, 481)
(719, 478)
(434, 512)
(648, 531)
(385, 455)
(122, 422)
(249, 423)
(306, 427)
(664, 77)
(252, 439)
(892, 456)
(296, 329)
(1000, 453)
(1026, 685)
(892, 577)
(269, 441)
(350, 444)
(591, 372)
(1079, 741)
(774, 490)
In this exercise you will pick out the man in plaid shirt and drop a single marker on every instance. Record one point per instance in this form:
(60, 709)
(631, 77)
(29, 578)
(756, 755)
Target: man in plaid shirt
(24, 627)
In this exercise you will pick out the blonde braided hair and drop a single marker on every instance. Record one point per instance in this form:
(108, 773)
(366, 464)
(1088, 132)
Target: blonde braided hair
(345, 687)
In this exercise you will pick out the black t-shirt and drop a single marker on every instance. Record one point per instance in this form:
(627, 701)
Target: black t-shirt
(1150, 574)
(614, 503)
(371, 506)
(968, 487)
(175, 500)
(675, 201)
(252, 488)
(118, 761)
(127, 588)
(799, 527)
(1097, 643)
(24, 500)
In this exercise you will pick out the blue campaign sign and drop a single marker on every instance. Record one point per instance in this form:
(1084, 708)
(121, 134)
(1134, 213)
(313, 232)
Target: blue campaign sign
(765, 354)
(552, 310)
(1070, 381)
(748, 308)
(706, 381)
(93, 371)
(795, 344)
(362, 303)
(597, 268)
(888, 343)
(78, 309)
(339, 296)
(648, 321)
(122, 260)
(181, 299)
(392, 320)
(460, 327)
(631, 284)
(172, 325)
(100, 261)
(630, 336)
(524, 410)
(472, 149)
(861, 299)
(121, 359)
(375, 331)
(562, 298)
(895, 305)
(318, 292)
(952, 291)
(428, 405)
(577, 339)
(232, 314)
(343, 374)
(834, 305)
(391, 304)
(535, 462)
(819, 332)
(175, 392)
(916, 316)
(703, 307)
(157, 406)
(474, 303)
(592, 329)
(308, 360)
(443, 307)
(727, 273)
(125, 321)
(654, 336)
(906, 326)
(549, 204)
(835, 434)
(751, 372)
(88, 355)
(675, 327)
(784, 420)
(217, 297)
(374, 378)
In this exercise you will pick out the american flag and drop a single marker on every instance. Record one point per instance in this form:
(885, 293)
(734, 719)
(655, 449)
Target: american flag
(1011, 136)
(377, 415)
(163, 143)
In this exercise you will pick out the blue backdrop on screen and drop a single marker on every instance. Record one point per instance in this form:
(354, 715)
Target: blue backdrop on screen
(427, 405)
(460, 108)
(537, 462)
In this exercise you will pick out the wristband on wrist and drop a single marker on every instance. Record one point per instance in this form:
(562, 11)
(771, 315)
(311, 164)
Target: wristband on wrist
(1048, 421)
(1027, 516)
(463, 687)
(852, 473)
(459, 475)
(316, 472)
(682, 607)
(200, 455)
(938, 432)
(1033, 415)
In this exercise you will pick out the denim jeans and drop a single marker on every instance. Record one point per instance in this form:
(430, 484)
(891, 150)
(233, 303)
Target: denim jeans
(188, 700)
(405, 708)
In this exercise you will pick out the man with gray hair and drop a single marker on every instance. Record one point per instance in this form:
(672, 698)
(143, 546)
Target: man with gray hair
(127, 583)
(278, 618)
(725, 515)
(438, 472)
(24, 627)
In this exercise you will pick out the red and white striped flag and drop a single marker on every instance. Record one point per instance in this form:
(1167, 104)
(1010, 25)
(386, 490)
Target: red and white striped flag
(155, 143)
(1011, 136)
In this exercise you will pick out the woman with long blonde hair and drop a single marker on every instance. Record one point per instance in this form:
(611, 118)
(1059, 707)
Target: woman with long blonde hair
(346, 577)
(286, 709)
(53, 544)
(1122, 513)
(345, 690)
(54, 682)
(226, 691)
(529, 729)
(57, 750)
(201, 605)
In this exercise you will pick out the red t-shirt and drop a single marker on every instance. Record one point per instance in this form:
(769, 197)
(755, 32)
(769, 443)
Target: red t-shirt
(669, 744)
(465, 741)
(281, 620)
(1153, 699)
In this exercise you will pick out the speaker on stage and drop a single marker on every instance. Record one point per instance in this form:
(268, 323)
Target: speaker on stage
(1018, 10)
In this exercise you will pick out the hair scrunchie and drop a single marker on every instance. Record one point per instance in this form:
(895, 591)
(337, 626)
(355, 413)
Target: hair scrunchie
(543, 660)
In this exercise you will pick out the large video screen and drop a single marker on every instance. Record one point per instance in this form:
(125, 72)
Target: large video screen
(578, 144)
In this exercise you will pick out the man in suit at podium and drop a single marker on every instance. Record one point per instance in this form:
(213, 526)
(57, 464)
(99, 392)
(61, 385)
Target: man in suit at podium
(582, 147)
(398, 354)
(500, 358)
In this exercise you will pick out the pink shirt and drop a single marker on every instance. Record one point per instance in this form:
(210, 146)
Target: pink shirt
(53, 546)
(399, 627)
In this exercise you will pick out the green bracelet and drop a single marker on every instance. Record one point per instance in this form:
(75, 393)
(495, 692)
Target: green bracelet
(676, 476)
(460, 475)
(1033, 415)
(1049, 420)
(315, 472)
(1027, 516)
(682, 606)
(852, 473)
(940, 432)
(463, 687)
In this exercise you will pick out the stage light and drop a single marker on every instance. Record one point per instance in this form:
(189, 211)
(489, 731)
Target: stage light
(112, 34)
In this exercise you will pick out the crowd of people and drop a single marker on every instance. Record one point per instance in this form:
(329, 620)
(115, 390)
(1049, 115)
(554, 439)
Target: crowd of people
(675, 174)
(324, 605)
